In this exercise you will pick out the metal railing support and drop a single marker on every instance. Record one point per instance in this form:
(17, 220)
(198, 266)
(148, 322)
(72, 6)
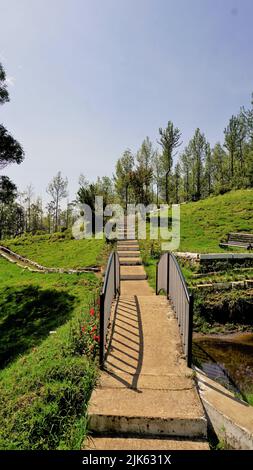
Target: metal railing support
(170, 279)
(110, 290)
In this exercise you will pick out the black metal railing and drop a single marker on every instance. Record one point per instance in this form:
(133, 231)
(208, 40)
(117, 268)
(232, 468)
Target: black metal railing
(169, 278)
(110, 290)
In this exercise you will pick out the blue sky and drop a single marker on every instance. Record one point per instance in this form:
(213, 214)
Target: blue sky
(89, 78)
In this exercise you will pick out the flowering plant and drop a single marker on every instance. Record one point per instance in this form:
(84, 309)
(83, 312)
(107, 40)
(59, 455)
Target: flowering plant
(86, 336)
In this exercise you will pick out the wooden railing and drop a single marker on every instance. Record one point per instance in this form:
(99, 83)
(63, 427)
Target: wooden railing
(169, 278)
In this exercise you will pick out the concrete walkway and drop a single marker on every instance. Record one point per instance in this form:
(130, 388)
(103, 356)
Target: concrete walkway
(146, 398)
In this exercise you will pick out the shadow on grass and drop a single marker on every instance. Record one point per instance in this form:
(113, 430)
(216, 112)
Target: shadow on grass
(27, 314)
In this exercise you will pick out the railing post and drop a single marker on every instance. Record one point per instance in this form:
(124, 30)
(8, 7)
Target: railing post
(190, 328)
(156, 284)
(102, 331)
(168, 275)
(115, 274)
(119, 271)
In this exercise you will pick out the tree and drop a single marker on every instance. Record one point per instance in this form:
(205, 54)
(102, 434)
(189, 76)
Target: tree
(232, 141)
(157, 166)
(169, 140)
(124, 169)
(209, 169)
(177, 177)
(197, 148)
(144, 158)
(186, 168)
(4, 95)
(220, 169)
(10, 152)
(28, 195)
(57, 189)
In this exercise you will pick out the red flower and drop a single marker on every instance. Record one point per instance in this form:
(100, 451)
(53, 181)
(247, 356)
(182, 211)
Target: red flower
(96, 338)
(83, 328)
(92, 312)
(94, 328)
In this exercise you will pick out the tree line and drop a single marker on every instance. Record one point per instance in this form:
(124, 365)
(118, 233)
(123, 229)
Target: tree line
(156, 173)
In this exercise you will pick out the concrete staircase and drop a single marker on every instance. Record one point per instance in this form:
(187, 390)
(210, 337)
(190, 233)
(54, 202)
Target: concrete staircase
(130, 260)
(146, 397)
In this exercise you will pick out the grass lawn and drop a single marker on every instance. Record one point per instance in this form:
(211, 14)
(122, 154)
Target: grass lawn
(205, 223)
(53, 251)
(45, 380)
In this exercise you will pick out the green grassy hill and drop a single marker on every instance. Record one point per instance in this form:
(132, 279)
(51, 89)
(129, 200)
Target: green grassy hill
(205, 223)
(47, 367)
(57, 251)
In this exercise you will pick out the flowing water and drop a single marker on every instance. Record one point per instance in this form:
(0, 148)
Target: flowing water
(228, 359)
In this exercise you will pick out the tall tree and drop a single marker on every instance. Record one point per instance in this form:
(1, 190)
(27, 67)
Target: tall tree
(198, 147)
(144, 159)
(186, 168)
(57, 189)
(220, 169)
(209, 169)
(124, 169)
(4, 95)
(169, 140)
(231, 143)
(10, 152)
(177, 177)
(157, 166)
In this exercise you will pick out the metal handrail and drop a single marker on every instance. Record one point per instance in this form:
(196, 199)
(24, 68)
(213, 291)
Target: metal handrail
(181, 275)
(107, 272)
(170, 279)
(110, 290)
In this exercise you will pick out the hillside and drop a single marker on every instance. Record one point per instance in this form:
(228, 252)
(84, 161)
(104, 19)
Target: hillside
(205, 223)
(57, 250)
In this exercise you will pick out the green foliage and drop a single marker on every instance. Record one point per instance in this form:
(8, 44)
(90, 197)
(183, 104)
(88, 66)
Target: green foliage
(223, 311)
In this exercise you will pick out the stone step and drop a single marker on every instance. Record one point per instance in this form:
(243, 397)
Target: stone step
(152, 412)
(132, 273)
(129, 254)
(130, 261)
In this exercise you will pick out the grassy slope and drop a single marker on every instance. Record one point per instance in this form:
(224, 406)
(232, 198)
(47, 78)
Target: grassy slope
(52, 252)
(205, 223)
(32, 304)
(45, 384)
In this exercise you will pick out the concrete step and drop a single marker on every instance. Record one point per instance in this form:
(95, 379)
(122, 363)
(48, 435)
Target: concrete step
(152, 412)
(132, 273)
(129, 254)
(136, 288)
(143, 443)
(128, 242)
(128, 247)
(125, 232)
(130, 261)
